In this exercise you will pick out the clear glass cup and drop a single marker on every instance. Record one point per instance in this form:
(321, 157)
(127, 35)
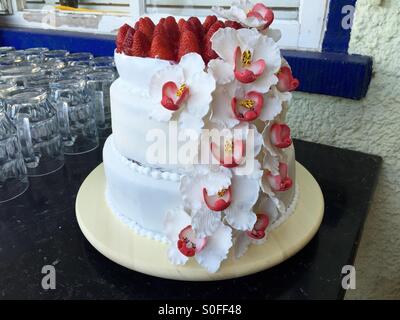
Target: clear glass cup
(18, 72)
(35, 54)
(55, 55)
(106, 61)
(73, 72)
(39, 81)
(5, 50)
(99, 83)
(6, 88)
(7, 60)
(52, 67)
(19, 55)
(79, 58)
(38, 130)
(13, 175)
(76, 115)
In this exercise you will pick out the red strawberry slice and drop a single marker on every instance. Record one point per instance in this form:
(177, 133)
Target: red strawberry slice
(161, 48)
(172, 30)
(146, 26)
(208, 52)
(140, 46)
(188, 43)
(210, 20)
(197, 28)
(181, 25)
(128, 41)
(119, 41)
(233, 24)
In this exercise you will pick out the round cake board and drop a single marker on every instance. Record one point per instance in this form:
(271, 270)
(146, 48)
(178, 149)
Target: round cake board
(115, 240)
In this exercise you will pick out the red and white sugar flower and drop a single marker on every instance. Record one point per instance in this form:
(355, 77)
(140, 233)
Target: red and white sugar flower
(238, 149)
(185, 243)
(248, 14)
(233, 103)
(276, 138)
(205, 193)
(182, 92)
(247, 56)
(266, 213)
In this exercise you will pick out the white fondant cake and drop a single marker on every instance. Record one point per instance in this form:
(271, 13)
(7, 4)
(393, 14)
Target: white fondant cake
(200, 156)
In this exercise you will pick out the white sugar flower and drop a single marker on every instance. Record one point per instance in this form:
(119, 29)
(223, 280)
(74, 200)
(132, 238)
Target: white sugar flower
(246, 55)
(205, 193)
(209, 251)
(246, 13)
(182, 92)
(238, 149)
(267, 213)
(233, 104)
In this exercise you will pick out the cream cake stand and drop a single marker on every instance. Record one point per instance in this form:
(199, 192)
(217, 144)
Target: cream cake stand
(119, 243)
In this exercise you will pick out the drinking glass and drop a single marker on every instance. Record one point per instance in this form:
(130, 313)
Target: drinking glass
(18, 72)
(76, 115)
(99, 83)
(6, 88)
(13, 178)
(73, 72)
(5, 50)
(40, 81)
(7, 60)
(52, 67)
(80, 58)
(35, 54)
(38, 130)
(106, 61)
(55, 55)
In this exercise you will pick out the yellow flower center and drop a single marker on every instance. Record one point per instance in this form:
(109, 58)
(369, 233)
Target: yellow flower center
(221, 193)
(181, 90)
(246, 58)
(247, 103)
(228, 146)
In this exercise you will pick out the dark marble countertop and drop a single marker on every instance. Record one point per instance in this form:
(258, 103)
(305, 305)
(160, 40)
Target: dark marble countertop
(40, 228)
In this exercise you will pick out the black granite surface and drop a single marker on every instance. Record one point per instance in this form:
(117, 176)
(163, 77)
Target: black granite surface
(40, 228)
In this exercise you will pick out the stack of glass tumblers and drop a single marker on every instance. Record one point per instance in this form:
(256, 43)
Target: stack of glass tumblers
(52, 103)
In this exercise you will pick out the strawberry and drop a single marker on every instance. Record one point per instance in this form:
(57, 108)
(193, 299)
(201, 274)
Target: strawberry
(233, 24)
(172, 29)
(188, 43)
(140, 46)
(160, 30)
(126, 45)
(208, 52)
(161, 48)
(181, 25)
(146, 26)
(197, 27)
(210, 20)
(119, 41)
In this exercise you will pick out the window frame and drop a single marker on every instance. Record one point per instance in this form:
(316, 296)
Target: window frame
(306, 33)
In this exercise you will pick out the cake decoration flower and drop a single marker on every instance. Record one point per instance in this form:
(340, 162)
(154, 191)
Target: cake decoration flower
(182, 92)
(238, 148)
(286, 81)
(252, 58)
(233, 104)
(267, 213)
(205, 193)
(209, 251)
(243, 11)
(245, 192)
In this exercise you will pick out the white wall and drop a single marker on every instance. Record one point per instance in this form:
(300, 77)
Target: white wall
(371, 125)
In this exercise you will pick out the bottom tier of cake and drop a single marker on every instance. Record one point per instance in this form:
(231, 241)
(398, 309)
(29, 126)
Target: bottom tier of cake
(141, 196)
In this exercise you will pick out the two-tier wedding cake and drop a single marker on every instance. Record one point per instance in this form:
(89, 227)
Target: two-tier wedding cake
(200, 156)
